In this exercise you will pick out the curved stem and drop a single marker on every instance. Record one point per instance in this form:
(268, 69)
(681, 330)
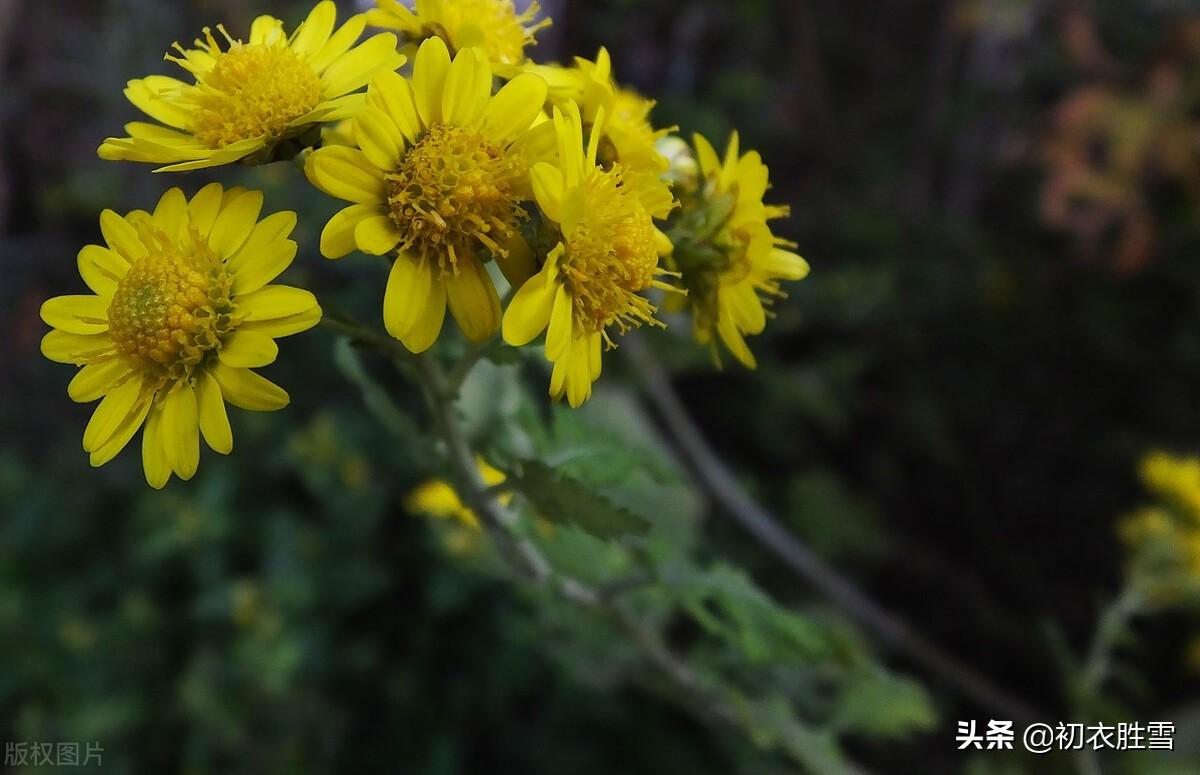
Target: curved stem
(722, 486)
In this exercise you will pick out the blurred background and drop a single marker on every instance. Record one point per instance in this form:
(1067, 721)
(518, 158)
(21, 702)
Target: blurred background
(998, 199)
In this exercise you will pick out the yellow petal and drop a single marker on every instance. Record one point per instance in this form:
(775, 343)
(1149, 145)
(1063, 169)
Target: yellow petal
(393, 94)
(267, 234)
(467, 89)
(408, 291)
(473, 301)
(101, 269)
(528, 313)
(110, 413)
(337, 238)
(579, 378)
(314, 32)
(64, 347)
(785, 264)
(517, 261)
(355, 69)
(275, 301)
(339, 43)
(235, 222)
(346, 173)
(214, 420)
(205, 206)
(594, 355)
(266, 29)
(247, 390)
(154, 453)
(248, 349)
(121, 236)
(171, 215)
(376, 235)
(733, 340)
(710, 165)
(429, 77)
(285, 326)
(561, 332)
(181, 431)
(428, 324)
(745, 307)
(151, 96)
(125, 431)
(514, 107)
(547, 183)
(379, 138)
(261, 266)
(77, 314)
(96, 379)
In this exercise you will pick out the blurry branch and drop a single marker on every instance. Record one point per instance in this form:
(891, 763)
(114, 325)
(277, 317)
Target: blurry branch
(719, 482)
(713, 703)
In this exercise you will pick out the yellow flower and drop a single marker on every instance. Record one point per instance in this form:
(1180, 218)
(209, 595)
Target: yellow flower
(627, 136)
(436, 498)
(491, 25)
(735, 257)
(251, 96)
(439, 176)
(1176, 479)
(181, 312)
(606, 255)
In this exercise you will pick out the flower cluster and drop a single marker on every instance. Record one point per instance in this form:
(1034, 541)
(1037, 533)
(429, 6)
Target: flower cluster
(523, 198)
(1164, 537)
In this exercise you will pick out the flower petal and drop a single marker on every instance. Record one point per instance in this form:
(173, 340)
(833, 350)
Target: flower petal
(514, 107)
(63, 347)
(262, 266)
(379, 138)
(154, 453)
(181, 431)
(171, 213)
(377, 235)
(408, 291)
(561, 333)
(355, 69)
(275, 301)
(121, 236)
(467, 89)
(337, 238)
(429, 323)
(339, 43)
(214, 420)
(151, 96)
(547, 181)
(235, 222)
(393, 94)
(125, 431)
(101, 268)
(77, 314)
(248, 349)
(96, 379)
(245, 389)
(314, 32)
(110, 413)
(205, 206)
(285, 326)
(346, 173)
(528, 313)
(429, 77)
(473, 301)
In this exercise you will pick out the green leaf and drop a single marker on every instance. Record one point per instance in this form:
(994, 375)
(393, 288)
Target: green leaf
(884, 705)
(772, 724)
(563, 500)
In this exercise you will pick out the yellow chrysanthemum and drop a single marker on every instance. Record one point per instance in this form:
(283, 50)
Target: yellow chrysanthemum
(439, 175)
(606, 256)
(181, 313)
(736, 257)
(437, 498)
(491, 25)
(1176, 479)
(251, 96)
(627, 136)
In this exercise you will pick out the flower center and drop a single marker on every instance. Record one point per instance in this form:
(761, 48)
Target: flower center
(253, 90)
(493, 25)
(610, 256)
(172, 308)
(454, 191)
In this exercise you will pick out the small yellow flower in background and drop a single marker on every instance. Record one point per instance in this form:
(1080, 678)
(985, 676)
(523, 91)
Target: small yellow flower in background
(734, 257)
(439, 176)
(606, 256)
(436, 498)
(250, 96)
(491, 25)
(627, 136)
(181, 313)
(1176, 479)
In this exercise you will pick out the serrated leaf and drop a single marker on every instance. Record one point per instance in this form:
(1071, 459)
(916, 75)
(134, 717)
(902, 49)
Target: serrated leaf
(561, 499)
